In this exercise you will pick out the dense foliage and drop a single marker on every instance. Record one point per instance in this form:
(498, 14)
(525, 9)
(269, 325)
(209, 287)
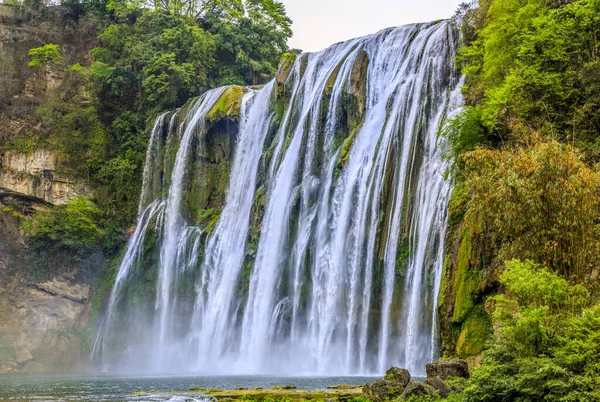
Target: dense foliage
(547, 345)
(534, 70)
(41, 56)
(525, 151)
(77, 227)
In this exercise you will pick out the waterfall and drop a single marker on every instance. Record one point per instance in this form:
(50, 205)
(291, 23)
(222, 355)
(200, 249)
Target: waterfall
(326, 255)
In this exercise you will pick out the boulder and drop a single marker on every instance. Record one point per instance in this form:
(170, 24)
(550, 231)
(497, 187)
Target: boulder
(382, 390)
(448, 368)
(397, 375)
(439, 385)
(414, 389)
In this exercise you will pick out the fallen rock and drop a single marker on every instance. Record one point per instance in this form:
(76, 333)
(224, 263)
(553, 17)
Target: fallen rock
(414, 389)
(439, 385)
(398, 375)
(447, 368)
(382, 390)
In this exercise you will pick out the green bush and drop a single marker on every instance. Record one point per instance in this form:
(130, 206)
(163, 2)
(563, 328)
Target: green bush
(73, 226)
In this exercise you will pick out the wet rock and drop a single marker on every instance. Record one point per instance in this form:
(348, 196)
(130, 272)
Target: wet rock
(228, 105)
(382, 390)
(414, 389)
(439, 385)
(358, 85)
(448, 368)
(398, 375)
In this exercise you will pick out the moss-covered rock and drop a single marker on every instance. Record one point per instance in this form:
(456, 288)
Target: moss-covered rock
(466, 281)
(228, 105)
(475, 333)
(287, 61)
(357, 92)
(382, 390)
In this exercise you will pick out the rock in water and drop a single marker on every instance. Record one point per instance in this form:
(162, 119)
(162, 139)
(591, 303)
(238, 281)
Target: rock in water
(382, 390)
(399, 376)
(447, 368)
(439, 385)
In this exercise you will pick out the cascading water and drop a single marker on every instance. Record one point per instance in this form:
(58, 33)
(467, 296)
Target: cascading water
(327, 255)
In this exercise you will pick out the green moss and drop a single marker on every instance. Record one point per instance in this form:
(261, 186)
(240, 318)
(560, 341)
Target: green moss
(203, 215)
(474, 334)
(347, 146)
(465, 280)
(457, 205)
(445, 283)
(106, 283)
(402, 258)
(216, 214)
(228, 105)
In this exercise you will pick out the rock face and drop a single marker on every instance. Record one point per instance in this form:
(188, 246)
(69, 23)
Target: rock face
(448, 368)
(414, 389)
(40, 320)
(35, 175)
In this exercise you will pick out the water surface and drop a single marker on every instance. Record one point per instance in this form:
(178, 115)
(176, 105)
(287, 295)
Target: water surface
(114, 388)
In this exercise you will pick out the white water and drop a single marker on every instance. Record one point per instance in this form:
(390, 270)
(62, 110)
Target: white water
(348, 263)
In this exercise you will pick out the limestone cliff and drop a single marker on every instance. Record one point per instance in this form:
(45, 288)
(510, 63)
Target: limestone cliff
(35, 175)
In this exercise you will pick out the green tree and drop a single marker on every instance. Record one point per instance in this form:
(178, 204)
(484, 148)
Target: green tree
(44, 55)
(534, 67)
(249, 45)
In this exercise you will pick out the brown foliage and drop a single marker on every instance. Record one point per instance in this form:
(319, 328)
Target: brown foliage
(540, 203)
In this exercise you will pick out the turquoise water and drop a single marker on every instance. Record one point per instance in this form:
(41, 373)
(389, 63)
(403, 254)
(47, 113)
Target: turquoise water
(67, 388)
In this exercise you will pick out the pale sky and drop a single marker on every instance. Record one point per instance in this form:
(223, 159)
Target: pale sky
(320, 23)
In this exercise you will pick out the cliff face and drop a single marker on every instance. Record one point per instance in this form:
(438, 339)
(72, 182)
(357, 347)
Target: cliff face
(42, 314)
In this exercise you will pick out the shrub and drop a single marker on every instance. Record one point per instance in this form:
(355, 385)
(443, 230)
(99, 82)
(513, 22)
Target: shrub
(547, 345)
(72, 226)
